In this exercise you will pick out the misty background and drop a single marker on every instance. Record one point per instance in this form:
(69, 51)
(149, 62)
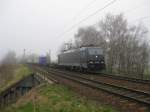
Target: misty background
(40, 25)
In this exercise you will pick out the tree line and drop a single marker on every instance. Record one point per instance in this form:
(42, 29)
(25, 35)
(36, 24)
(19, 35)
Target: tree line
(7, 67)
(125, 46)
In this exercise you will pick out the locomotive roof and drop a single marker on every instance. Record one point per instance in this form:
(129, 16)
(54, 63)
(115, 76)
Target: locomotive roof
(82, 48)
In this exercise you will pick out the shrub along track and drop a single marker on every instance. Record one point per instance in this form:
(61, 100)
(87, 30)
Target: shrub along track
(126, 98)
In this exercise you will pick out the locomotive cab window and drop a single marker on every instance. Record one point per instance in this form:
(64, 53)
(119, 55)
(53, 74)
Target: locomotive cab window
(95, 51)
(83, 54)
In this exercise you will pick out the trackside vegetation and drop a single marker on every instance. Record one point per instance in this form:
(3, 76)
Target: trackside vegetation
(55, 98)
(11, 74)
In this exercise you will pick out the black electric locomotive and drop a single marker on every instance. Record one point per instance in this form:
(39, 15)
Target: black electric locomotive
(85, 58)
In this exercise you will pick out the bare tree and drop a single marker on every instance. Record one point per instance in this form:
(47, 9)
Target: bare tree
(7, 67)
(10, 58)
(32, 58)
(124, 45)
(140, 48)
(127, 50)
(86, 36)
(67, 46)
(113, 29)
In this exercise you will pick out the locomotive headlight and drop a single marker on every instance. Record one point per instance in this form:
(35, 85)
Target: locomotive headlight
(91, 62)
(96, 56)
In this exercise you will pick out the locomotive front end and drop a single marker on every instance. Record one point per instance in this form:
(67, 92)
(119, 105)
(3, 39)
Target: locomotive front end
(95, 59)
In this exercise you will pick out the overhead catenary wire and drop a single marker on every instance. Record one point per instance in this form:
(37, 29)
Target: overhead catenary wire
(81, 11)
(97, 11)
(142, 18)
(138, 19)
(130, 10)
(84, 9)
(89, 16)
(135, 8)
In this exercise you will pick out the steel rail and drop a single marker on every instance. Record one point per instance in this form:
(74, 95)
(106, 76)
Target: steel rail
(117, 77)
(127, 93)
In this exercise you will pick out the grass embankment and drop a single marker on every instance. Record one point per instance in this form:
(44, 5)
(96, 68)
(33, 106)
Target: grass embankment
(55, 98)
(17, 73)
(147, 74)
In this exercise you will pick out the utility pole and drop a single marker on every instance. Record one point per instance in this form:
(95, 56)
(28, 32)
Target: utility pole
(49, 57)
(67, 46)
(24, 55)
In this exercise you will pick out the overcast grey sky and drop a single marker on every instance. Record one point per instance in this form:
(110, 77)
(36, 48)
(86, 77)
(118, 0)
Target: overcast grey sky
(35, 25)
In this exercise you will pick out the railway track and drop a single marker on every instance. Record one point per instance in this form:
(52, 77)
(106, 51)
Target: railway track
(137, 85)
(102, 74)
(113, 76)
(136, 80)
(141, 97)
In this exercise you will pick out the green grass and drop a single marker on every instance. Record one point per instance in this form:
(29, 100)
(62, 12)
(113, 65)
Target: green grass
(147, 76)
(55, 98)
(147, 73)
(21, 72)
(18, 73)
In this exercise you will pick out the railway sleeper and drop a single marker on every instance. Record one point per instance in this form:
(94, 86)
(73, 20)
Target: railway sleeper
(113, 101)
(141, 97)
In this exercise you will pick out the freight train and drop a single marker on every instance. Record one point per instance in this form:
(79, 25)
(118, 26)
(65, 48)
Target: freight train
(85, 58)
(43, 60)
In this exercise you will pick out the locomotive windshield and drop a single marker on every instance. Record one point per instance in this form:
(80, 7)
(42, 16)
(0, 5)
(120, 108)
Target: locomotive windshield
(95, 51)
